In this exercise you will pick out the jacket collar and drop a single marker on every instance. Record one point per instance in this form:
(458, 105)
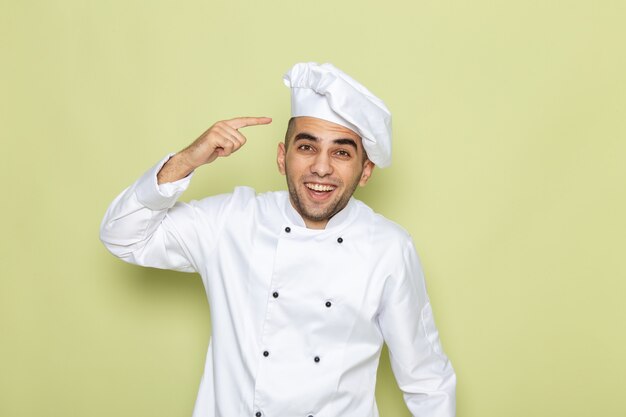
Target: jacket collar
(341, 219)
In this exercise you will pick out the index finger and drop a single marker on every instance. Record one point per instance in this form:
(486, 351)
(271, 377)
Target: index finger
(239, 122)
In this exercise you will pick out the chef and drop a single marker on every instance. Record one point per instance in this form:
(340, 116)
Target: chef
(304, 285)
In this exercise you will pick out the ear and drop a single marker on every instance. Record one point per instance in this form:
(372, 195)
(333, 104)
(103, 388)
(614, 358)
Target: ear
(280, 158)
(368, 168)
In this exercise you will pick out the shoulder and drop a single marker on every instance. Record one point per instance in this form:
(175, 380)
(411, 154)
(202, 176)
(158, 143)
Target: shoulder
(272, 199)
(242, 199)
(239, 197)
(381, 228)
(389, 240)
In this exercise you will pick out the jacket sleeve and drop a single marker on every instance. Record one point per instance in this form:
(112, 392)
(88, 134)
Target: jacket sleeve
(421, 368)
(145, 225)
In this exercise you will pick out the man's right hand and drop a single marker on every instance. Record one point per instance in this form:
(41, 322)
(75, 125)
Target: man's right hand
(221, 139)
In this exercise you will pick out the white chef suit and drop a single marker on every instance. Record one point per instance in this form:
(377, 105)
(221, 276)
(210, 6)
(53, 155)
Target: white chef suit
(299, 316)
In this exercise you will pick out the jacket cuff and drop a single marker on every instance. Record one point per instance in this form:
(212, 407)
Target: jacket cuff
(159, 196)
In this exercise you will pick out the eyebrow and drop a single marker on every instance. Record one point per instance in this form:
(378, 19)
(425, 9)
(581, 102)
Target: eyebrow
(340, 141)
(346, 141)
(305, 136)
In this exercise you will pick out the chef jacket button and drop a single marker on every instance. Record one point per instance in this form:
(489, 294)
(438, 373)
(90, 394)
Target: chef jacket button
(316, 359)
(340, 239)
(328, 304)
(275, 294)
(258, 414)
(266, 353)
(287, 229)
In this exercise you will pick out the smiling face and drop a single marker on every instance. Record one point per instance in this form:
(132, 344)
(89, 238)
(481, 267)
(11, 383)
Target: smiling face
(324, 162)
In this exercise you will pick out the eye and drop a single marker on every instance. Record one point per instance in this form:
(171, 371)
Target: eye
(343, 153)
(305, 147)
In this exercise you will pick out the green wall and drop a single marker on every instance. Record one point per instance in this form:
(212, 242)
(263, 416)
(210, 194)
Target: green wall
(510, 136)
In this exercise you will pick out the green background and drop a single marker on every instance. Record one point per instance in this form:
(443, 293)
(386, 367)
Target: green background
(510, 136)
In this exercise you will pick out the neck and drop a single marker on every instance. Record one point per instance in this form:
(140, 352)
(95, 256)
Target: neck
(313, 224)
(309, 222)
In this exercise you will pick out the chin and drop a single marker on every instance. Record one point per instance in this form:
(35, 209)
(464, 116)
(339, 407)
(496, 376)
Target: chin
(320, 213)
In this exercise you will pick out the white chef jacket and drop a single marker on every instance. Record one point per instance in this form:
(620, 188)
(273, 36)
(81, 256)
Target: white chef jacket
(299, 316)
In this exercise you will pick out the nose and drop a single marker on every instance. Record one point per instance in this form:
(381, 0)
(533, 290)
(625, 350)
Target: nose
(321, 165)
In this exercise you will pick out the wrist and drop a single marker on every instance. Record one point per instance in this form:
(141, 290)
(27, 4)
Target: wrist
(176, 168)
(181, 160)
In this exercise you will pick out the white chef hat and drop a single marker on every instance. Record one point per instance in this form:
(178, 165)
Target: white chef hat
(325, 92)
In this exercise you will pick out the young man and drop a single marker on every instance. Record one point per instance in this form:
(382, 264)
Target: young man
(304, 286)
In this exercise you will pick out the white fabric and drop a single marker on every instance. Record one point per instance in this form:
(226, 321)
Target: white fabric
(326, 92)
(239, 245)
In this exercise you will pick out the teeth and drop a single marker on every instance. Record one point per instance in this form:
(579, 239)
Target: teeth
(320, 187)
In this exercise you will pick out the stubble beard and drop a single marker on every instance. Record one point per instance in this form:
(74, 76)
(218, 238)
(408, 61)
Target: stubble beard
(325, 212)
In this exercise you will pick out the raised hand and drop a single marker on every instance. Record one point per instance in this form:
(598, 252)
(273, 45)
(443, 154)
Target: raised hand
(220, 140)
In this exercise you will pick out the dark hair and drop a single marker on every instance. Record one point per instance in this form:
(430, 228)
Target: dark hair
(289, 133)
